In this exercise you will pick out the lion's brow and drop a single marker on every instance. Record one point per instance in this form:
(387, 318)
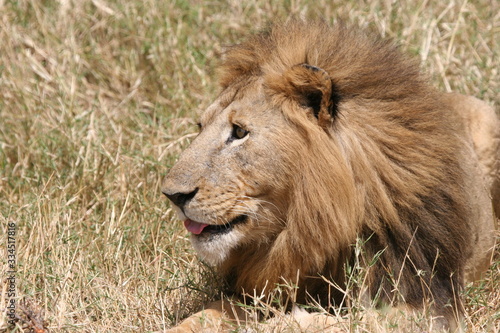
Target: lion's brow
(224, 99)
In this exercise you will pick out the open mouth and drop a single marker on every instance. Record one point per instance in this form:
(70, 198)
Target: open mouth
(198, 228)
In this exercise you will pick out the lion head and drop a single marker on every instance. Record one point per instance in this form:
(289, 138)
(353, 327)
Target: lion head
(321, 136)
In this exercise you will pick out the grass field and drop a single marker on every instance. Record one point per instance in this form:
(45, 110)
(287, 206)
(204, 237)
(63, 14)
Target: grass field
(98, 98)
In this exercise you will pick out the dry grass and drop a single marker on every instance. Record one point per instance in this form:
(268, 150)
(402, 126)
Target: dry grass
(97, 98)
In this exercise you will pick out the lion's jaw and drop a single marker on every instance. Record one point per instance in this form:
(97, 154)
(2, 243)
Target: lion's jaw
(212, 247)
(221, 206)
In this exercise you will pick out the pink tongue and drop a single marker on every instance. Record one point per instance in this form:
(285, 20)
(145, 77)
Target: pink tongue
(194, 227)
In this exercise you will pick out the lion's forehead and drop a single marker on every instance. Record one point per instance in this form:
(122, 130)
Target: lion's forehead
(241, 96)
(211, 112)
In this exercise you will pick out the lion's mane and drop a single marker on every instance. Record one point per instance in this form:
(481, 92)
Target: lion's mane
(389, 173)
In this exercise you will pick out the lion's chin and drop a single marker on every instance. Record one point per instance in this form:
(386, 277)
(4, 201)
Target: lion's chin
(214, 248)
(213, 243)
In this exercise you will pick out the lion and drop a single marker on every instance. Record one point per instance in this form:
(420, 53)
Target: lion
(323, 136)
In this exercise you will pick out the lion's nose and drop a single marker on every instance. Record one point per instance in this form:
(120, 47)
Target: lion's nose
(180, 199)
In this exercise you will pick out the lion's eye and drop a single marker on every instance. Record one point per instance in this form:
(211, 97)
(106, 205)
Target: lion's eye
(238, 133)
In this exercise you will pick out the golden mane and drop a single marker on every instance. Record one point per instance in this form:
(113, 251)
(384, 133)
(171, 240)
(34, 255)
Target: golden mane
(389, 171)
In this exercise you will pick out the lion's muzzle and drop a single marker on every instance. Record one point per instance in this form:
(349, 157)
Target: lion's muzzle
(179, 198)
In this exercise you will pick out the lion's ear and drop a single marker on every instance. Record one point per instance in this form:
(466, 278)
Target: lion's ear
(311, 87)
